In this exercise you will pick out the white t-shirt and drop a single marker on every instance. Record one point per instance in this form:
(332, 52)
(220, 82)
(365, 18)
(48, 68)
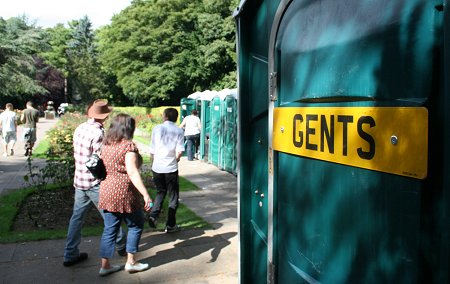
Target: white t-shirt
(167, 141)
(192, 125)
(8, 119)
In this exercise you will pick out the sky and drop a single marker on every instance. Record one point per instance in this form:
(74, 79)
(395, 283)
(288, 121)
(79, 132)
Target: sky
(48, 13)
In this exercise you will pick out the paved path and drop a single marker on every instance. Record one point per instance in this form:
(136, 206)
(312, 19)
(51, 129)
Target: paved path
(13, 168)
(185, 257)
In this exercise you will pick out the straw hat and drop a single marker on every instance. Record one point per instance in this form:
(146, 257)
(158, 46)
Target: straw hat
(99, 110)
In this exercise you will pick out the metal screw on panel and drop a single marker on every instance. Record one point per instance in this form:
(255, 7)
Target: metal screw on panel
(262, 195)
(256, 192)
(394, 140)
(282, 129)
(260, 204)
(259, 141)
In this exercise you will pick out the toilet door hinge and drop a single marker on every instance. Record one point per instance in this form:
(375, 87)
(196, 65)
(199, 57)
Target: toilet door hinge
(273, 86)
(271, 276)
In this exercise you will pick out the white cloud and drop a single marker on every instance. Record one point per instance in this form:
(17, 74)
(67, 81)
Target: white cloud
(47, 13)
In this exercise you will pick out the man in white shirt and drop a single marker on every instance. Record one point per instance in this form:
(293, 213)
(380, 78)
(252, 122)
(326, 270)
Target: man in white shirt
(192, 127)
(166, 148)
(8, 124)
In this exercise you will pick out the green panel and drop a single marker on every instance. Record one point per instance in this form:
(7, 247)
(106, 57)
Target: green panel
(215, 132)
(346, 225)
(186, 107)
(255, 24)
(205, 119)
(342, 49)
(341, 224)
(229, 134)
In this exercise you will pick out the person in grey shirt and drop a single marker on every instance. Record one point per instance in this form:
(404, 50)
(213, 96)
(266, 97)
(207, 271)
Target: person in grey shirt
(29, 117)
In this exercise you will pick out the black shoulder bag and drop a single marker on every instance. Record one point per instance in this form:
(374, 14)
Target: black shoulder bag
(96, 166)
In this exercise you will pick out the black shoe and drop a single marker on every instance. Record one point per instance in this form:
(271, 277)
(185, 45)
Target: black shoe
(152, 222)
(122, 252)
(82, 257)
(173, 229)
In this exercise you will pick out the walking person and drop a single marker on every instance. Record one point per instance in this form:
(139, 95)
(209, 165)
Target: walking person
(29, 118)
(87, 140)
(8, 124)
(121, 194)
(192, 127)
(166, 148)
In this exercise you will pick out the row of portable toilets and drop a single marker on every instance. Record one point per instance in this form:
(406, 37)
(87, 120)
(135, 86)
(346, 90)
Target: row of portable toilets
(218, 115)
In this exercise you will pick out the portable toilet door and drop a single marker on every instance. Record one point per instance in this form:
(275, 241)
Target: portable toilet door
(205, 119)
(351, 183)
(253, 24)
(353, 199)
(229, 134)
(215, 132)
(186, 107)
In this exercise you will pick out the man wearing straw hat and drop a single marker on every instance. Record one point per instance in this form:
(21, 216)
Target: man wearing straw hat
(87, 140)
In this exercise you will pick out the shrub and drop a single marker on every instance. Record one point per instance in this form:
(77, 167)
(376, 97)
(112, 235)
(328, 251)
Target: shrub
(60, 164)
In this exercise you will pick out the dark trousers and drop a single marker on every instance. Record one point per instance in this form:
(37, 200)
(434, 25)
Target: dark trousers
(166, 183)
(192, 145)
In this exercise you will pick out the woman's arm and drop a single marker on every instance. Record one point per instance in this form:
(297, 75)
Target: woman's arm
(131, 164)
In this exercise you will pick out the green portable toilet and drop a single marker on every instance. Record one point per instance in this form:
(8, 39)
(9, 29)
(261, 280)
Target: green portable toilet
(186, 107)
(205, 120)
(228, 148)
(215, 131)
(344, 134)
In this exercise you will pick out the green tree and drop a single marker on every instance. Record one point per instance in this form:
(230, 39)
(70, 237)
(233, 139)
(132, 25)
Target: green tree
(56, 55)
(161, 51)
(86, 79)
(18, 43)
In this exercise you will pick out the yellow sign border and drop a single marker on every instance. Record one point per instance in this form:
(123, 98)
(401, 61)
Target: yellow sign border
(386, 139)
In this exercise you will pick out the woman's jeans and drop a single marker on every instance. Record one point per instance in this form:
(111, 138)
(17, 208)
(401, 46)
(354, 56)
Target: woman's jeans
(84, 199)
(113, 220)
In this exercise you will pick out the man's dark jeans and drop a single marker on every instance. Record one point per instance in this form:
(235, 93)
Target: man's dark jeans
(166, 183)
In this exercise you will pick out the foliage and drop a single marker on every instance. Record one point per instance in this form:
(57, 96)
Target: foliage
(86, 78)
(60, 165)
(161, 51)
(74, 52)
(154, 53)
(19, 41)
(58, 38)
(52, 80)
(146, 118)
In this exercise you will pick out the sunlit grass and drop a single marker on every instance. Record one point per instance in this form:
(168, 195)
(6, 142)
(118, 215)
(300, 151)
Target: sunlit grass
(11, 203)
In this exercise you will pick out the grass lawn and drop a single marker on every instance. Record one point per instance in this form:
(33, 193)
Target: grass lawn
(11, 204)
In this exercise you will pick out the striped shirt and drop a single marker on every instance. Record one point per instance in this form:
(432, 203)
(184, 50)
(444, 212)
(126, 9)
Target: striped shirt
(87, 139)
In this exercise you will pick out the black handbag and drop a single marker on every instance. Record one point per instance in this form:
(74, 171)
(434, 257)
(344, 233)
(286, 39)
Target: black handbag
(96, 166)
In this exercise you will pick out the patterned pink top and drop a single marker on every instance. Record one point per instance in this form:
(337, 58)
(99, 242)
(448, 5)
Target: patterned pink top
(117, 192)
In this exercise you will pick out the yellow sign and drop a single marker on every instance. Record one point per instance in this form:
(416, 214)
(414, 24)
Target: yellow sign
(387, 139)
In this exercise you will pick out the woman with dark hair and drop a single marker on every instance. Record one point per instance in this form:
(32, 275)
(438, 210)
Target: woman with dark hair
(120, 194)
